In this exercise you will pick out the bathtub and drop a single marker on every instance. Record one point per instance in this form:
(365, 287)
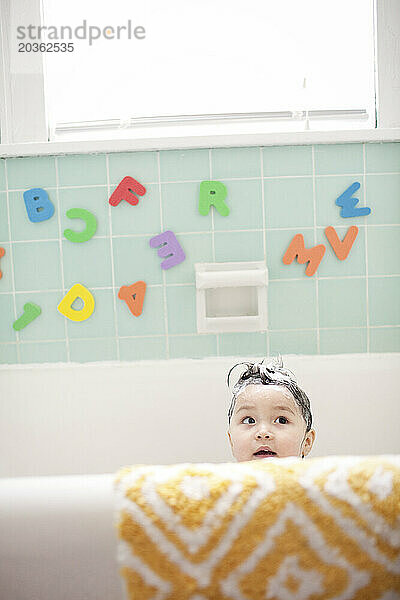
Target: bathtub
(66, 429)
(57, 539)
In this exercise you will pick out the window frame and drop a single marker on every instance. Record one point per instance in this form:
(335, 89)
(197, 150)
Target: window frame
(24, 127)
(23, 111)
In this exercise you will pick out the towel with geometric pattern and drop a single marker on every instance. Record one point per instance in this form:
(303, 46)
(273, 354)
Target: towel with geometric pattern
(273, 529)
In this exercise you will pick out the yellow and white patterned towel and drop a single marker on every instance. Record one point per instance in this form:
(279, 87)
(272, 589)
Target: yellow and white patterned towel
(277, 529)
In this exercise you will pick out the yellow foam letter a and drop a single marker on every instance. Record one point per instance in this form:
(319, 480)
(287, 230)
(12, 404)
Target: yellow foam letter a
(77, 291)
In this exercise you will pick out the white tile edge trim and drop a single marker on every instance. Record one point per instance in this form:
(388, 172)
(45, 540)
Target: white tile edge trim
(200, 141)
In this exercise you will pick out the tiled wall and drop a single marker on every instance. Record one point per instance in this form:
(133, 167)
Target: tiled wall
(273, 193)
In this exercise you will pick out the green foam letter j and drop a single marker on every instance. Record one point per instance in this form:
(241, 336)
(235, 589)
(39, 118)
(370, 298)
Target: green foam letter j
(90, 225)
(31, 312)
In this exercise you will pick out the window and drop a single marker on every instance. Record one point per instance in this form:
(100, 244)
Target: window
(136, 67)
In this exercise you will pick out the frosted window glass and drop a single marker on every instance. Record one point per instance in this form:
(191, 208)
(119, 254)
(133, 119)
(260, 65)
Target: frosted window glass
(211, 57)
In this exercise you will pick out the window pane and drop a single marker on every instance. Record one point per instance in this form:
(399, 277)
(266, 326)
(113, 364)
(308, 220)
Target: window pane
(210, 57)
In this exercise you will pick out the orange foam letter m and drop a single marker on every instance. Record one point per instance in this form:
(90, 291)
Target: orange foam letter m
(311, 255)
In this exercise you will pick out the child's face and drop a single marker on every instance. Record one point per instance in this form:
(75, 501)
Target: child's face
(257, 421)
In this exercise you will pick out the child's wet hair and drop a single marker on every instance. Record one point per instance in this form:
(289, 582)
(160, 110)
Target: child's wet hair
(271, 373)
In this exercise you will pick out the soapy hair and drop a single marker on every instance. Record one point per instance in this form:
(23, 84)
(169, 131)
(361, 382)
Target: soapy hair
(271, 373)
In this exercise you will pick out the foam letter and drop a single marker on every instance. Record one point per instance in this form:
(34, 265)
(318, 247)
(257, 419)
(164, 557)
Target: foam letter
(312, 255)
(2, 253)
(348, 203)
(133, 296)
(31, 311)
(126, 190)
(170, 249)
(90, 229)
(341, 248)
(213, 192)
(65, 307)
(38, 205)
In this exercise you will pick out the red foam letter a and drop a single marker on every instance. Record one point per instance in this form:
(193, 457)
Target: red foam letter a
(133, 296)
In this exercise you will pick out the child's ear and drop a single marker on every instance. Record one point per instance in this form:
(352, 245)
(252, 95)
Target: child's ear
(309, 441)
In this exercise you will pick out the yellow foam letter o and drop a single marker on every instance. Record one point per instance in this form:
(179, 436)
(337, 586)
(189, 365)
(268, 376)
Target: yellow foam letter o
(77, 291)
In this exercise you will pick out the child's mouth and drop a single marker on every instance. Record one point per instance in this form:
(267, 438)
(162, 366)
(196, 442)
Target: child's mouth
(262, 453)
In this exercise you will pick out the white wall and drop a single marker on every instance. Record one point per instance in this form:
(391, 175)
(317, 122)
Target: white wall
(94, 418)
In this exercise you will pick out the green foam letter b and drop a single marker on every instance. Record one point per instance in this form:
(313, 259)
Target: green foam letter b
(213, 192)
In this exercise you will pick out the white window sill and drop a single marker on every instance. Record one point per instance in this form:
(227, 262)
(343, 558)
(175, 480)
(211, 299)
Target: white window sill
(211, 140)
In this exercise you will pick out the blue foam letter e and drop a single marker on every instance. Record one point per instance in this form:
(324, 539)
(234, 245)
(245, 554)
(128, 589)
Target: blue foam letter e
(38, 205)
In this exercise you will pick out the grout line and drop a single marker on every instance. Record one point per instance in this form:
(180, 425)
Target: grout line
(315, 242)
(212, 209)
(62, 187)
(11, 259)
(366, 251)
(61, 257)
(36, 241)
(115, 183)
(264, 240)
(339, 277)
(163, 270)
(145, 235)
(193, 284)
(112, 258)
(263, 205)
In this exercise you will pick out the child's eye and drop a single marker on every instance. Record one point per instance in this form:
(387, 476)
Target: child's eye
(286, 420)
(248, 418)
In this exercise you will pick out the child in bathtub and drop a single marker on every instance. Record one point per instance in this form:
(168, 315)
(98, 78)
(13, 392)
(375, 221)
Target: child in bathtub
(269, 414)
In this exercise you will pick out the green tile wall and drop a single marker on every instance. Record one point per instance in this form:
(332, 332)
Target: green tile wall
(273, 193)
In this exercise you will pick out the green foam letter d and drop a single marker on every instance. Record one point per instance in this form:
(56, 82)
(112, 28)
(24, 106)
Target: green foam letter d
(213, 192)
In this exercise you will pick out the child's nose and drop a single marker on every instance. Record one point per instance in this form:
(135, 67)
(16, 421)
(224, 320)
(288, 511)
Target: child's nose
(263, 433)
